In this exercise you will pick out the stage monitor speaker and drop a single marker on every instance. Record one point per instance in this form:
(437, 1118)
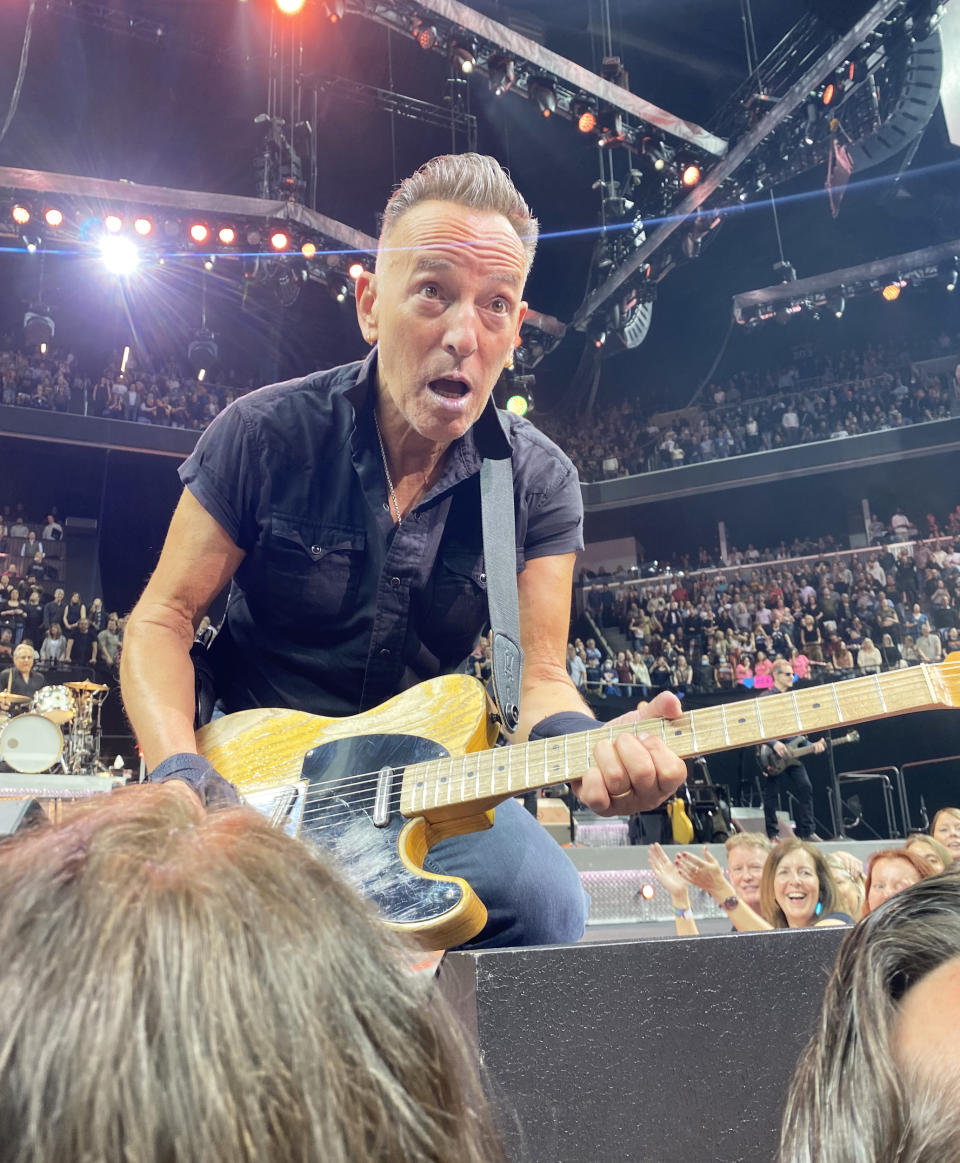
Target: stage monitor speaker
(660, 1051)
(17, 814)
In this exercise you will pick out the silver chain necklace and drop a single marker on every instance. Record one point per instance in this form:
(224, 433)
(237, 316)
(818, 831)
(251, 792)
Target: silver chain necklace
(386, 469)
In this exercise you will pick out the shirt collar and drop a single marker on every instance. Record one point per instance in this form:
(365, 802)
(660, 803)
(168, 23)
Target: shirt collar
(487, 439)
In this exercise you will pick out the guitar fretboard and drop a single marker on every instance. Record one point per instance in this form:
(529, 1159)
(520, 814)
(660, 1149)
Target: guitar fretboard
(508, 771)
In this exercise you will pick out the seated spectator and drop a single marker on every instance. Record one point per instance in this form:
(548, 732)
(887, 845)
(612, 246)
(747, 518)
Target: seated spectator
(842, 659)
(946, 829)
(800, 664)
(230, 998)
(608, 678)
(798, 889)
(869, 658)
(52, 529)
(935, 855)
(890, 871)
(929, 646)
(908, 651)
(889, 653)
(878, 1079)
(762, 672)
(18, 528)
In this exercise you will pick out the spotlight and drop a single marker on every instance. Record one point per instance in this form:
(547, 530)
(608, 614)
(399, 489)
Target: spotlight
(600, 339)
(355, 270)
(31, 242)
(308, 250)
(201, 375)
(519, 405)
(654, 154)
(143, 226)
(120, 255)
(113, 223)
(829, 94)
(462, 57)
(836, 303)
(279, 240)
(53, 217)
(227, 235)
(203, 352)
(289, 7)
(611, 125)
(647, 891)
(20, 215)
(583, 110)
(948, 274)
(891, 292)
(333, 10)
(199, 232)
(340, 292)
(502, 74)
(254, 238)
(208, 264)
(543, 93)
(690, 175)
(424, 34)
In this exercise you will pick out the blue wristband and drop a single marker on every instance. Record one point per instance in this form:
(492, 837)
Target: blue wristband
(563, 723)
(185, 765)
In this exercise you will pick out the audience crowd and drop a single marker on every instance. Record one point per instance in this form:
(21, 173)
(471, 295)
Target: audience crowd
(820, 398)
(832, 616)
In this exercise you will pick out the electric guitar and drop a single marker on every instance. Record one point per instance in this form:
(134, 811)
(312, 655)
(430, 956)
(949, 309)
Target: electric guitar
(772, 764)
(376, 791)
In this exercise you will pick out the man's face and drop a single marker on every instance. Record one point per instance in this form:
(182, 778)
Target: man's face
(745, 865)
(445, 306)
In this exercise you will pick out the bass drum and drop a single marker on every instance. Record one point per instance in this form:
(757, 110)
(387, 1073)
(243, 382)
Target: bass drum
(30, 744)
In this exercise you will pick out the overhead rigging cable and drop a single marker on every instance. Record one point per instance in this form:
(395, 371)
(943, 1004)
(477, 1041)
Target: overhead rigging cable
(21, 74)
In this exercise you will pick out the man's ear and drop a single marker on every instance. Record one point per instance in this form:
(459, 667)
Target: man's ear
(365, 292)
(523, 310)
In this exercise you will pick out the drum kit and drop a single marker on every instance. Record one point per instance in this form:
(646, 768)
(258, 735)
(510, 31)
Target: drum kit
(60, 725)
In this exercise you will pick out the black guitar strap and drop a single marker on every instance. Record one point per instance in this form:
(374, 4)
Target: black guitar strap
(500, 564)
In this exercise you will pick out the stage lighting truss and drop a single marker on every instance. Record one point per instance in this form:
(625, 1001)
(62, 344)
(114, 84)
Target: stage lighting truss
(288, 253)
(827, 295)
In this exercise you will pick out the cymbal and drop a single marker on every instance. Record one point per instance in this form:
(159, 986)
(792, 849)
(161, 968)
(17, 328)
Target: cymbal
(86, 685)
(11, 698)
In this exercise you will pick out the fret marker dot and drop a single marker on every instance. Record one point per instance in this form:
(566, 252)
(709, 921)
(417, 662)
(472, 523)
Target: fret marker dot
(419, 783)
(500, 768)
(679, 731)
(816, 706)
(443, 779)
(469, 775)
(741, 720)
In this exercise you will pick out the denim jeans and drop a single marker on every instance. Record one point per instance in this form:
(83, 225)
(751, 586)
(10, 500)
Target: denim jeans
(529, 885)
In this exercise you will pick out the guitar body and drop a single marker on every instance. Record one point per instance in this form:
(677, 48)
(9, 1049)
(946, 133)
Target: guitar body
(320, 779)
(771, 764)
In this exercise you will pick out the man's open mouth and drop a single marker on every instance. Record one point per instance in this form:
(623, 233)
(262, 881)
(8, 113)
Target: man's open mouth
(449, 389)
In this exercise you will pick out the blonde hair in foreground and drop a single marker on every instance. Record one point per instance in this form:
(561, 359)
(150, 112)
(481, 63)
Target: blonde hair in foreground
(184, 987)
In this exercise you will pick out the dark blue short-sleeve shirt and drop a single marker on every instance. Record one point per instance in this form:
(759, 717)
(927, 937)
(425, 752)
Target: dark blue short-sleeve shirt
(333, 609)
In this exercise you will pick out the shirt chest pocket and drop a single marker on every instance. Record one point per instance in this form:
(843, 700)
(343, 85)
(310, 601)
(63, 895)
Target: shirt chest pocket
(314, 573)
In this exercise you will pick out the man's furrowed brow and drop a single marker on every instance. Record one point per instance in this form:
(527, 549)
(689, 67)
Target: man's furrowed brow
(427, 262)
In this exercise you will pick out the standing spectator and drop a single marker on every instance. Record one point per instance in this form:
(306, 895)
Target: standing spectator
(108, 647)
(53, 610)
(52, 529)
(95, 615)
(576, 668)
(870, 659)
(53, 649)
(33, 615)
(73, 611)
(84, 652)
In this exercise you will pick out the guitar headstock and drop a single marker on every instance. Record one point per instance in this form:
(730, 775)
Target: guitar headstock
(948, 672)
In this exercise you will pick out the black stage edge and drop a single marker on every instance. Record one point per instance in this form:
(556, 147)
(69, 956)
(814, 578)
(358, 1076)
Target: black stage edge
(663, 1051)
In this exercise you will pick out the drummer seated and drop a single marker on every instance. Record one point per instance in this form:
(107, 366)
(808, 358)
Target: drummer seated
(20, 682)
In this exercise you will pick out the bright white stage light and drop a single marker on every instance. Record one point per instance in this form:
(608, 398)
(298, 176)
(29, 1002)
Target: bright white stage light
(120, 255)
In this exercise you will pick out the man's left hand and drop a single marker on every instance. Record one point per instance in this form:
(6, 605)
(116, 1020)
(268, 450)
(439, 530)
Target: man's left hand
(633, 774)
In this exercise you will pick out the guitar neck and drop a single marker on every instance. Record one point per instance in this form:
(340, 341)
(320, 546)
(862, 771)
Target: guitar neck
(484, 777)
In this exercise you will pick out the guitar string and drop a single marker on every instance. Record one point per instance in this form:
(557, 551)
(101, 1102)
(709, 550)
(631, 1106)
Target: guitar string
(362, 783)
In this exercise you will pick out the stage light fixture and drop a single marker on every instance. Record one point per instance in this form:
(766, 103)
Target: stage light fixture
(53, 217)
(690, 175)
(201, 375)
(208, 264)
(20, 215)
(424, 34)
(543, 92)
(836, 303)
(949, 274)
(647, 891)
(171, 227)
(120, 255)
(308, 250)
(463, 57)
(32, 243)
(518, 405)
(355, 270)
(289, 7)
(279, 240)
(891, 292)
(502, 72)
(333, 10)
(600, 339)
(340, 292)
(829, 94)
(254, 238)
(199, 232)
(227, 235)
(143, 226)
(203, 351)
(113, 223)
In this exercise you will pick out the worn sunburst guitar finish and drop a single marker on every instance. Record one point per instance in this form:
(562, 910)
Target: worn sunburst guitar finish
(377, 791)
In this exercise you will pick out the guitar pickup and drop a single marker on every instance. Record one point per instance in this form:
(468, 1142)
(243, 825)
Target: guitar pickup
(381, 802)
(282, 806)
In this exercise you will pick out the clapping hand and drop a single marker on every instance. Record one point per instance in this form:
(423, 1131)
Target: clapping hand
(703, 872)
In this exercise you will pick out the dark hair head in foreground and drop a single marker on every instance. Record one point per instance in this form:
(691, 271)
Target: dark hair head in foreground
(880, 1080)
(187, 987)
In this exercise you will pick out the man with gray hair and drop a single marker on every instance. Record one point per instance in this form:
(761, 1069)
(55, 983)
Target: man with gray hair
(345, 509)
